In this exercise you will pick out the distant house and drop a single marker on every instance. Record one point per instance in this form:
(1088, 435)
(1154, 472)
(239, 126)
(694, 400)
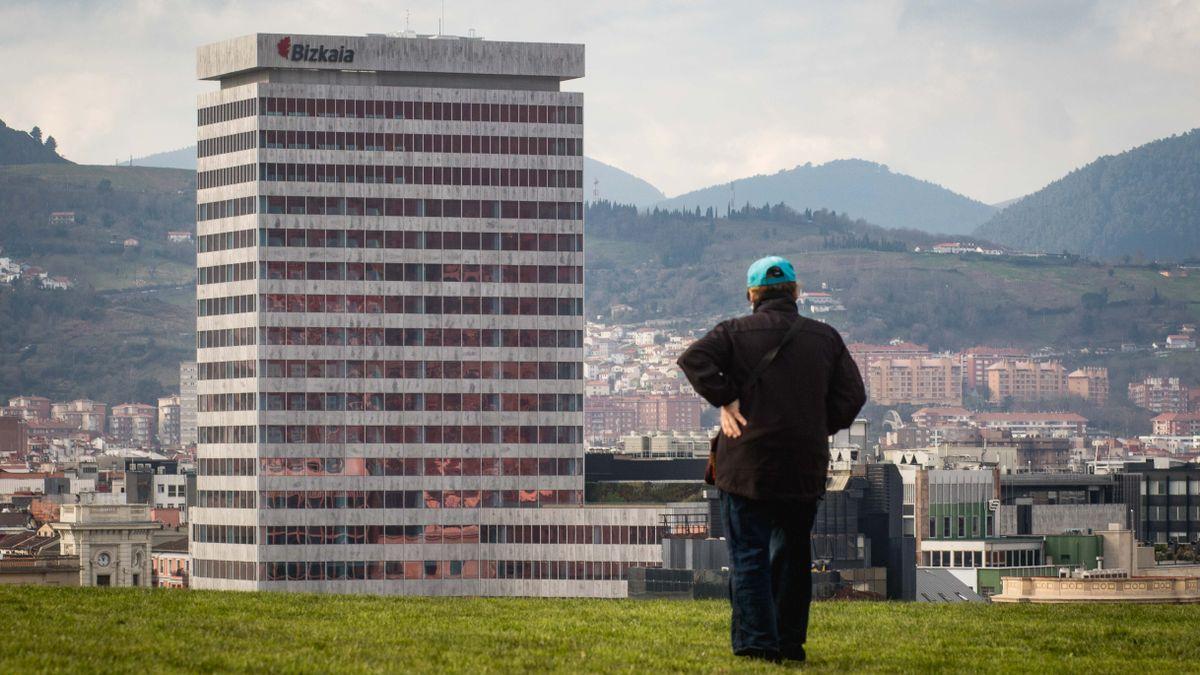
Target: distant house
(170, 563)
(821, 302)
(818, 298)
(57, 283)
(179, 236)
(1181, 341)
(62, 218)
(131, 243)
(10, 270)
(956, 248)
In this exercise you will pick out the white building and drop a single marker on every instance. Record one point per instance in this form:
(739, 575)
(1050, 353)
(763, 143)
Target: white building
(170, 491)
(112, 542)
(187, 403)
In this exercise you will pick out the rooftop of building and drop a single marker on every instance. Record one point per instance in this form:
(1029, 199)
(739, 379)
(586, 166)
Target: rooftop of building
(1177, 417)
(174, 545)
(1040, 478)
(396, 52)
(1030, 417)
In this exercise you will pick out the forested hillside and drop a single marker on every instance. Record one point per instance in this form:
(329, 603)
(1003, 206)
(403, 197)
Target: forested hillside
(20, 147)
(120, 333)
(862, 189)
(1143, 203)
(690, 268)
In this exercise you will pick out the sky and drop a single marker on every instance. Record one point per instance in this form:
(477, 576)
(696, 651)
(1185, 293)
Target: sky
(990, 99)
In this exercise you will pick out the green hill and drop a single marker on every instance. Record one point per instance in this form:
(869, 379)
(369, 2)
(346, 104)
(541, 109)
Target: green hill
(19, 147)
(690, 269)
(863, 189)
(120, 333)
(126, 630)
(1144, 202)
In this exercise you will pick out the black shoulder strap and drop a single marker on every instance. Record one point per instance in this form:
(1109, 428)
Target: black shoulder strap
(767, 358)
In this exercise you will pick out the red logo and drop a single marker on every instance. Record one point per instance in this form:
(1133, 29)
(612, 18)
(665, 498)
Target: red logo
(284, 46)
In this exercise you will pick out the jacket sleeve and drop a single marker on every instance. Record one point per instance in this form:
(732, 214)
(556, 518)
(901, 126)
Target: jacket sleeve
(706, 364)
(846, 395)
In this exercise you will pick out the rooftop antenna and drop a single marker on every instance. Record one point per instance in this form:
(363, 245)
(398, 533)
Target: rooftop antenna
(442, 20)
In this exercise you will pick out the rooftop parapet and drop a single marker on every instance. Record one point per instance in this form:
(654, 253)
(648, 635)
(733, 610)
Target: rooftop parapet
(386, 53)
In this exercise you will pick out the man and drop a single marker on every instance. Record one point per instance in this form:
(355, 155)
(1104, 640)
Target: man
(772, 454)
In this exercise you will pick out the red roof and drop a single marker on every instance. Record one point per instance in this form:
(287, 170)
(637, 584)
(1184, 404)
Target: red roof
(1030, 417)
(31, 475)
(1177, 417)
(995, 351)
(943, 411)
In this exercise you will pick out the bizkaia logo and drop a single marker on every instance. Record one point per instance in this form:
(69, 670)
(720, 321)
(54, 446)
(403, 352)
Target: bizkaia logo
(319, 53)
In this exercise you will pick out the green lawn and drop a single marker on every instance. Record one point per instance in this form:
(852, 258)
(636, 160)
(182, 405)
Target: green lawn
(93, 630)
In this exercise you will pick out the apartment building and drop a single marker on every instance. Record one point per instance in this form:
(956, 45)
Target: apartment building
(931, 381)
(1026, 380)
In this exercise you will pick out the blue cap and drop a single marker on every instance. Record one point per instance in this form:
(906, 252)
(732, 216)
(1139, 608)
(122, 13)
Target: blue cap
(770, 271)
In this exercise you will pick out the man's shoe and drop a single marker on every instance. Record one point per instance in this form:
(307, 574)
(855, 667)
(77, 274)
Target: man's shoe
(796, 654)
(763, 654)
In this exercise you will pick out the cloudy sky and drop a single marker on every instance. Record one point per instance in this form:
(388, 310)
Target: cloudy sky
(990, 99)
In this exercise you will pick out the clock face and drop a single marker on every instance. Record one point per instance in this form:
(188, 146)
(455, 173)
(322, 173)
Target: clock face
(103, 559)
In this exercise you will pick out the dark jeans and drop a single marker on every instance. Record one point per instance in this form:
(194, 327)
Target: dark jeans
(770, 580)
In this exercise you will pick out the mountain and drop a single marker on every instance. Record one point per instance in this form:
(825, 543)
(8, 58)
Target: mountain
(617, 186)
(183, 158)
(863, 189)
(1145, 201)
(614, 184)
(19, 147)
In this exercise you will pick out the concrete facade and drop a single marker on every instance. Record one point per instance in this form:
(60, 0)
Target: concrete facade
(1047, 519)
(187, 403)
(430, 443)
(169, 420)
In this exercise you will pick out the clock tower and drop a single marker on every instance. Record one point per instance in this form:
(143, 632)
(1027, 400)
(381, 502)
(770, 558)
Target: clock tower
(112, 542)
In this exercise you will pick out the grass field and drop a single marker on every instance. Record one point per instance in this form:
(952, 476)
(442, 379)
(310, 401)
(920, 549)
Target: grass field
(137, 178)
(94, 630)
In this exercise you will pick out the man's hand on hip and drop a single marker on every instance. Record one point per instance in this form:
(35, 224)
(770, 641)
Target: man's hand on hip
(732, 420)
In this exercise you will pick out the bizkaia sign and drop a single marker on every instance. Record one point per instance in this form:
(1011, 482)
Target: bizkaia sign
(318, 53)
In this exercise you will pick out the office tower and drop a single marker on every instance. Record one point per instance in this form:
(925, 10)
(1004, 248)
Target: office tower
(390, 319)
(187, 403)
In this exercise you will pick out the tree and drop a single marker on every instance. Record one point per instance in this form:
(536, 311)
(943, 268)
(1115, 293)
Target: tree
(52, 145)
(36, 133)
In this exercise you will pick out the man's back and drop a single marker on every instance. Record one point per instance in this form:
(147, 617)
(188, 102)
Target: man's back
(811, 389)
